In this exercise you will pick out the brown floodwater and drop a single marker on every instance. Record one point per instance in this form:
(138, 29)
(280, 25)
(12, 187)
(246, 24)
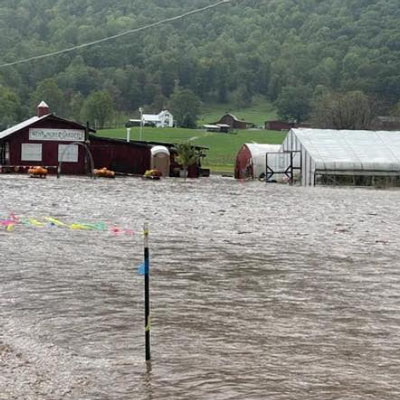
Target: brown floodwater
(257, 291)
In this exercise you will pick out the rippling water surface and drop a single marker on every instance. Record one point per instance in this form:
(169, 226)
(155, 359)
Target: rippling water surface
(258, 292)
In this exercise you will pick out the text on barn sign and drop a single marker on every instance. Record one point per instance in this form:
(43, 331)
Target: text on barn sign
(59, 135)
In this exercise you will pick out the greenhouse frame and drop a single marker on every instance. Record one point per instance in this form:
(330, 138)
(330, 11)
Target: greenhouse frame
(251, 160)
(343, 157)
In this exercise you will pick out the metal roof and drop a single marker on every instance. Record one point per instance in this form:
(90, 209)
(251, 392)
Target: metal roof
(170, 146)
(151, 117)
(33, 120)
(234, 117)
(20, 126)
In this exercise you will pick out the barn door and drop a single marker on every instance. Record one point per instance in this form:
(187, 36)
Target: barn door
(4, 153)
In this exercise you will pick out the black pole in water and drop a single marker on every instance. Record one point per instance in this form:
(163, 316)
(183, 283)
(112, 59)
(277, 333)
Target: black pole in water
(147, 322)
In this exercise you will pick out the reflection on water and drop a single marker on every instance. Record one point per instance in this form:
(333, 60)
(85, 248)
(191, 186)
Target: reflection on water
(257, 291)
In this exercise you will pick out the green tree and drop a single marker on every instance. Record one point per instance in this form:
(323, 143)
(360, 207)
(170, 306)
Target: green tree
(187, 156)
(242, 97)
(263, 46)
(351, 110)
(98, 109)
(185, 106)
(294, 103)
(75, 107)
(9, 107)
(188, 121)
(49, 91)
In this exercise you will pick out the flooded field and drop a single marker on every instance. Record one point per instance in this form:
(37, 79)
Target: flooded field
(258, 292)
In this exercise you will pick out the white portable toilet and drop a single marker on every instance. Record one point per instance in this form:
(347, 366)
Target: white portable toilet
(160, 159)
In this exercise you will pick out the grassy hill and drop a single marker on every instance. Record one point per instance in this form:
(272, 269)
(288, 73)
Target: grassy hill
(223, 147)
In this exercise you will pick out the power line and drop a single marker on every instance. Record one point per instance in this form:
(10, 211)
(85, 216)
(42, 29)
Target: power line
(118, 35)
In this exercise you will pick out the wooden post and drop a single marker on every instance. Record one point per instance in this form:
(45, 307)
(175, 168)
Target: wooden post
(147, 322)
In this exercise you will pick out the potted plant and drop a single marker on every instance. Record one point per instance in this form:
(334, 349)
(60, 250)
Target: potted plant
(187, 156)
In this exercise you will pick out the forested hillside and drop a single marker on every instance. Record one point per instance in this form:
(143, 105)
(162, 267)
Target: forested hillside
(232, 52)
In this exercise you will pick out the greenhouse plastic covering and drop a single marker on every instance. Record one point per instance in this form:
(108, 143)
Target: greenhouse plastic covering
(258, 152)
(345, 150)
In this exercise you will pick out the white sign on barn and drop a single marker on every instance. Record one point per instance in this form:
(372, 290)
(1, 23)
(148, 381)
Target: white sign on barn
(57, 135)
(68, 153)
(31, 152)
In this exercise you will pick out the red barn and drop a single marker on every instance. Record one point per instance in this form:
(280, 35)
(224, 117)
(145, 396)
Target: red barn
(49, 141)
(44, 140)
(234, 122)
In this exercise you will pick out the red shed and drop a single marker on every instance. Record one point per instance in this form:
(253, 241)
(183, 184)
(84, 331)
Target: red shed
(135, 157)
(43, 140)
(283, 125)
(279, 125)
(119, 155)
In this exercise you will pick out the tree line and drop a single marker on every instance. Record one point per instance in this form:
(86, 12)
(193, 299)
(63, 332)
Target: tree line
(272, 48)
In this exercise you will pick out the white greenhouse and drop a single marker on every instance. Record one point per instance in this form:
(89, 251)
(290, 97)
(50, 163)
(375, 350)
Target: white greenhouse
(324, 156)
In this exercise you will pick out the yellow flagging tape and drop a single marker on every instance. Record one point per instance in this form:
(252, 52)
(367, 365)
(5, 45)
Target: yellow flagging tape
(35, 222)
(13, 221)
(79, 226)
(55, 221)
(148, 326)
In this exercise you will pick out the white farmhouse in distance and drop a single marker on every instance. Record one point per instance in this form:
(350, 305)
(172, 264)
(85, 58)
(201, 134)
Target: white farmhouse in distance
(162, 120)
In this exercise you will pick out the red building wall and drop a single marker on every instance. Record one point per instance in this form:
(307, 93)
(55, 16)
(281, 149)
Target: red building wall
(132, 157)
(279, 125)
(120, 156)
(243, 166)
(49, 148)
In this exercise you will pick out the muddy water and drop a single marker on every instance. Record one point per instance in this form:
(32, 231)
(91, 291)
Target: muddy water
(258, 292)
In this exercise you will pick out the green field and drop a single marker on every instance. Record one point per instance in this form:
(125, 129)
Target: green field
(222, 147)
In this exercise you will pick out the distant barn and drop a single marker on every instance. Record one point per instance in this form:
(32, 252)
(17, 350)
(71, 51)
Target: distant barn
(233, 122)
